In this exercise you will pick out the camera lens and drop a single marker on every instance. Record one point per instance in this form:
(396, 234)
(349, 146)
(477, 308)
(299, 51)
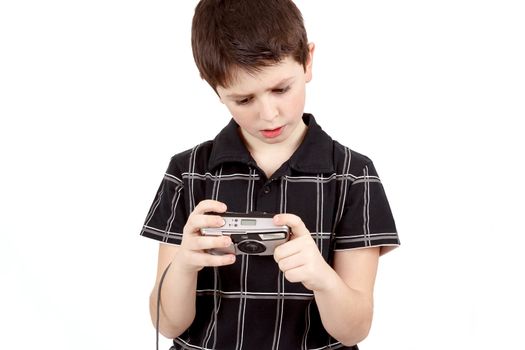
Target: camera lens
(251, 247)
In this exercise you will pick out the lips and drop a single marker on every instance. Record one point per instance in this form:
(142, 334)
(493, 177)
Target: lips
(272, 133)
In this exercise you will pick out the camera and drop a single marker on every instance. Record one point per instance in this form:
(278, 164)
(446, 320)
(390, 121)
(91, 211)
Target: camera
(252, 233)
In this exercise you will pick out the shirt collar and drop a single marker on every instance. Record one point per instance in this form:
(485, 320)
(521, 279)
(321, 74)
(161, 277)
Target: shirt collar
(314, 155)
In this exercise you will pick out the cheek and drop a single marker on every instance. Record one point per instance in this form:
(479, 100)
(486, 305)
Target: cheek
(242, 116)
(295, 103)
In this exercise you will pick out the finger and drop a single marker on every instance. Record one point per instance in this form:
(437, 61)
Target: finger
(303, 246)
(290, 263)
(197, 221)
(207, 242)
(294, 275)
(295, 223)
(206, 259)
(209, 205)
(286, 250)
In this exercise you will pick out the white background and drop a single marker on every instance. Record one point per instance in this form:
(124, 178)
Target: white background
(95, 97)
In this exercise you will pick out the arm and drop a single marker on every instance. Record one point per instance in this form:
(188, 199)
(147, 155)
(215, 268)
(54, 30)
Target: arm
(346, 301)
(344, 293)
(177, 309)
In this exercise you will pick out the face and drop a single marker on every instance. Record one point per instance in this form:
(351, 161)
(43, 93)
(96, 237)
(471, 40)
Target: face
(268, 105)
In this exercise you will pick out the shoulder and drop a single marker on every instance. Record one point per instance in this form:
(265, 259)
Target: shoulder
(347, 160)
(194, 159)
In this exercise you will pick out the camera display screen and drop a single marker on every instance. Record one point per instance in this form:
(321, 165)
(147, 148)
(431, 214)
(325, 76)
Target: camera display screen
(249, 222)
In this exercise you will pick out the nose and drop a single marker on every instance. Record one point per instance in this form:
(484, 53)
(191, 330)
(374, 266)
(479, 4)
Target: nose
(267, 109)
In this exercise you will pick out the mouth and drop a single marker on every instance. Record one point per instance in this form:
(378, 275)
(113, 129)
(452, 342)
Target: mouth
(272, 133)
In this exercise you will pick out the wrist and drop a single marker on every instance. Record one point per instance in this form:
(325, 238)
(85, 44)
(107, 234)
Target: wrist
(330, 281)
(180, 264)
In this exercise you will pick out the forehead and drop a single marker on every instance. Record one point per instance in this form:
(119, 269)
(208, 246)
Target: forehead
(244, 82)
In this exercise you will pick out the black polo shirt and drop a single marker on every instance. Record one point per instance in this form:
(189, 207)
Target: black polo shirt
(250, 305)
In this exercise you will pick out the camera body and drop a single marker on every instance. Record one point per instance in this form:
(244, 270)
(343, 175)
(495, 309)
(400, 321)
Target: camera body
(252, 233)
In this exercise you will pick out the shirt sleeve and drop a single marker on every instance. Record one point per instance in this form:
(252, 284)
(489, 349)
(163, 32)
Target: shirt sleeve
(366, 220)
(167, 216)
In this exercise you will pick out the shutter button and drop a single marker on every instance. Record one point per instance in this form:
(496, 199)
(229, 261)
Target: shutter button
(267, 189)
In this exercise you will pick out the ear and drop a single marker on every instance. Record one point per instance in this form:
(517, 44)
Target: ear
(309, 62)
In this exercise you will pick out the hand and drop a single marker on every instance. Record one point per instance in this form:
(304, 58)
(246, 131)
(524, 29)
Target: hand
(300, 259)
(192, 253)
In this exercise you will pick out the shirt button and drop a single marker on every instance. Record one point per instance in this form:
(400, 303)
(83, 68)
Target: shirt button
(267, 189)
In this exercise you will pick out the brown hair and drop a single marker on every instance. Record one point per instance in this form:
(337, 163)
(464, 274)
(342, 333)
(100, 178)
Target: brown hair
(245, 34)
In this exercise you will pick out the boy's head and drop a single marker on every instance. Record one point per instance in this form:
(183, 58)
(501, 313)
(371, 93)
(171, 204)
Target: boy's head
(245, 35)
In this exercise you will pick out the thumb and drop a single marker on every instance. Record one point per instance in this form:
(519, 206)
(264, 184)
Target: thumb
(295, 223)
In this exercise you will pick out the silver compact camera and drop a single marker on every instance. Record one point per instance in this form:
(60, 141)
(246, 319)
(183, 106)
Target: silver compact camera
(253, 233)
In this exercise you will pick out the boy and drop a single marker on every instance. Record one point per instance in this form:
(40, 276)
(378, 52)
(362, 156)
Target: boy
(316, 291)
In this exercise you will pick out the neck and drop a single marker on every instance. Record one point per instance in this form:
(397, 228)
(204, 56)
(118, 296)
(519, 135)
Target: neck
(270, 157)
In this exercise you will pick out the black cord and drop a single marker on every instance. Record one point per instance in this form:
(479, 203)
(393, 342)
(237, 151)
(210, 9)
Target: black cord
(158, 304)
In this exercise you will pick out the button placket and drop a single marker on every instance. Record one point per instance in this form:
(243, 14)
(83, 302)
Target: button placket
(268, 186)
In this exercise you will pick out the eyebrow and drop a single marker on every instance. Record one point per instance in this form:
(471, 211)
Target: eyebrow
(282, 82)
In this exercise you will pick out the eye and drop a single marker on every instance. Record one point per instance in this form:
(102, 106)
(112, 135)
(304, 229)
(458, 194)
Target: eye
(282, 90)
(244, 101)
